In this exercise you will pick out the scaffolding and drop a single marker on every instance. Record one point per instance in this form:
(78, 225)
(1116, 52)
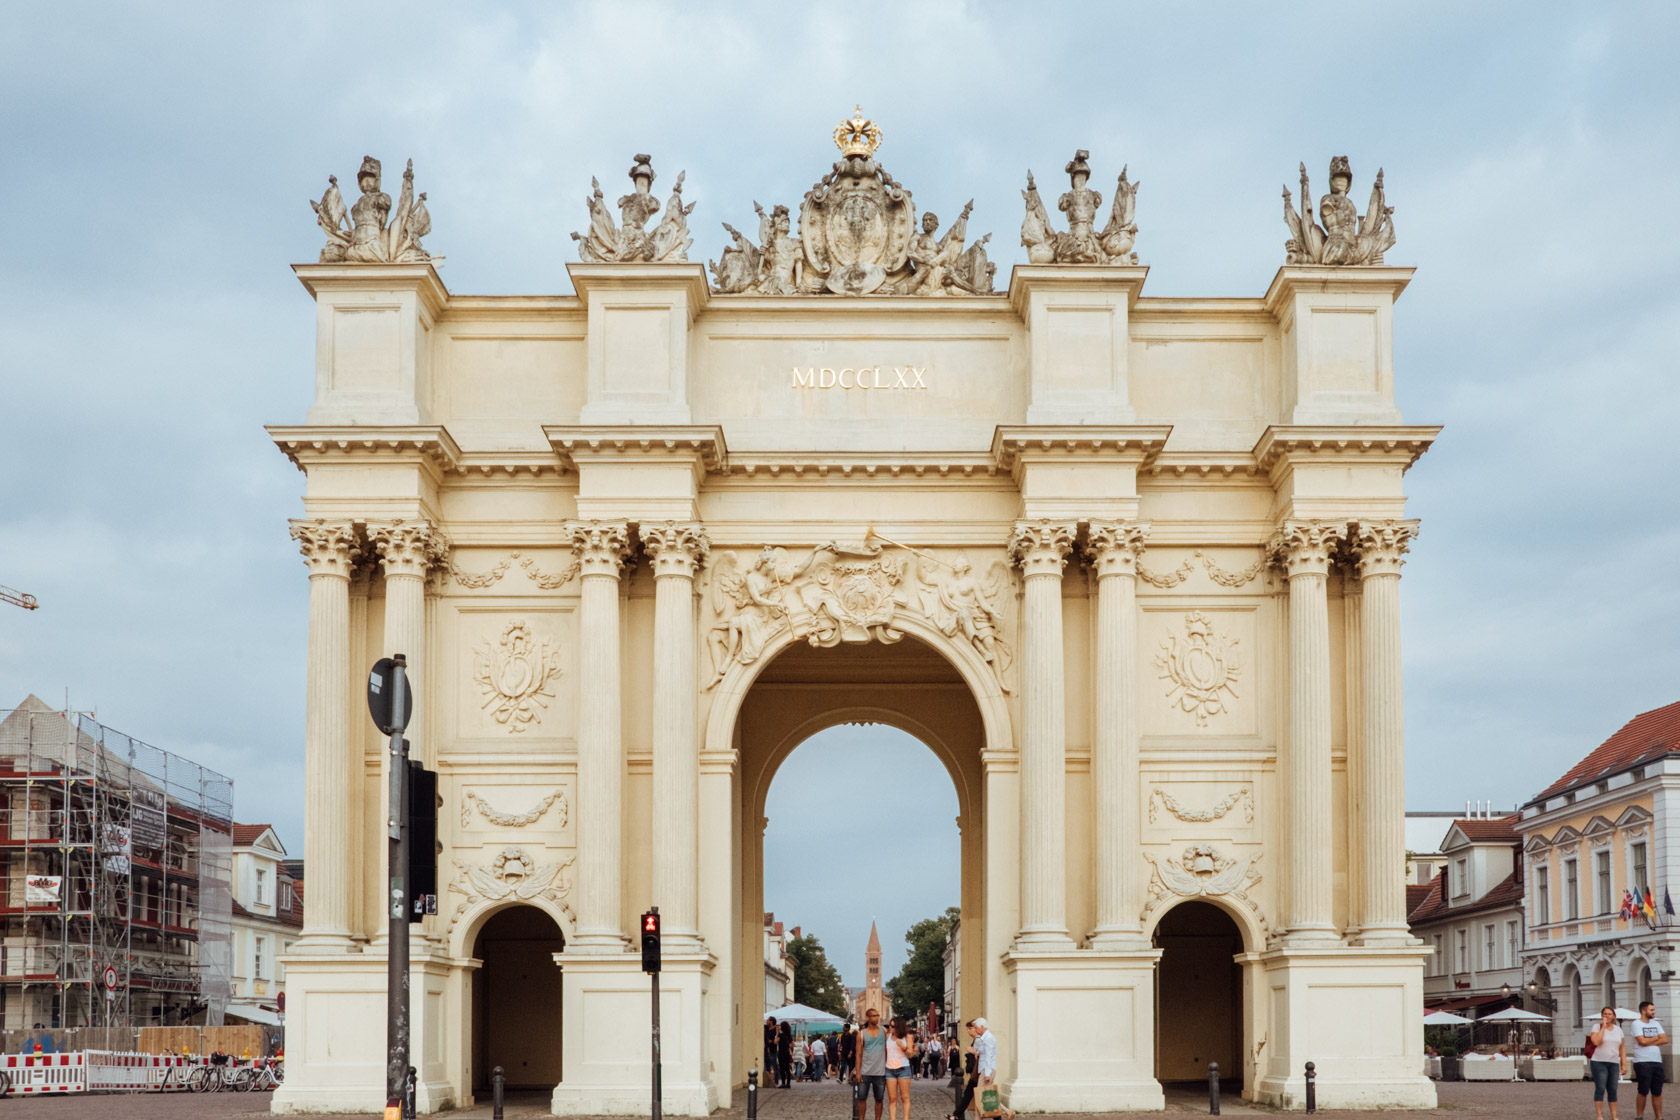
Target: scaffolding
(118, 862)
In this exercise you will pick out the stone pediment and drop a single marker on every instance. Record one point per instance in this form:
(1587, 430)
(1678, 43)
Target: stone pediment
(1633, 816)
(1598, 827)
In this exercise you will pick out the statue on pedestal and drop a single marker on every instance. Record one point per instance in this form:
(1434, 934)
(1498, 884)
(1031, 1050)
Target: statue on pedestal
(1345, 238)
(939, 265)
(630, 241)
(1081, 244)
(368, 240)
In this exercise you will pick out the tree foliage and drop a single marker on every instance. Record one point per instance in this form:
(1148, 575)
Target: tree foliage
(922, 979)
(816, 982)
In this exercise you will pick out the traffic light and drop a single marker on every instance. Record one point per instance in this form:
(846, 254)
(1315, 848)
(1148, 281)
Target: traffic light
(650, 940)
(422, 841)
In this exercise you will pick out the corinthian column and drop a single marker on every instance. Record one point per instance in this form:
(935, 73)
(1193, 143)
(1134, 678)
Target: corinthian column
(1380, 906)
(677, 550)
(329, 549)
(1304, 761)
(600, 548)
(1041, 549)
(1114, 548)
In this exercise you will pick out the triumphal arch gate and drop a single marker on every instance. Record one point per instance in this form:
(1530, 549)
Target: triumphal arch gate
(1128, 565)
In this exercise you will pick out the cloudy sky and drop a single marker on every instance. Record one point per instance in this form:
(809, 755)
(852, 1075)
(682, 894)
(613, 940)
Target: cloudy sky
(155, 162)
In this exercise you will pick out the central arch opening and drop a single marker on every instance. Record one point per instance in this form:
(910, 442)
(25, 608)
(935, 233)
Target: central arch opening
(870, 704)
(516, 1000)
(1199, 997)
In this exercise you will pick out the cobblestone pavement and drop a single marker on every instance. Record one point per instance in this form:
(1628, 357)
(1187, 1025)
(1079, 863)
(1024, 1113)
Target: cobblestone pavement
(828, 1101)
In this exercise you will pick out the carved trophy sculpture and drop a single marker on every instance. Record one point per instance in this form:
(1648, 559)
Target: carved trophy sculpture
(1345, 238)
(1081, 244)
(630, 240)
(361, 235)
(857, 236)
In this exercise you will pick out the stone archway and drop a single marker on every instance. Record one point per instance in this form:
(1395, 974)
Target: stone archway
(909, 685)
(515, 1002)
(1200, 1004)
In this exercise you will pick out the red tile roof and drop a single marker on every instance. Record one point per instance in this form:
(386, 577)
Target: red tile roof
(248, 833)
(1645, 736)
(1480, 830)
(1417, 892)
(1508, 892)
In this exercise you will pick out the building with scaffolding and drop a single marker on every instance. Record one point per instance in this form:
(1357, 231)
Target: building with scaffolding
(117, 855)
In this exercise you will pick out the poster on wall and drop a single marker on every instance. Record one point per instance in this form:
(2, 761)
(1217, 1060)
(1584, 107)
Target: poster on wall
(41, 888)
(117, 849)
(146, 818)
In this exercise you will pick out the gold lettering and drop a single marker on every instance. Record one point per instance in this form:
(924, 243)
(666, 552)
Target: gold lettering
(918, 372)
(843, 375)
(806, 380)
(825, 379)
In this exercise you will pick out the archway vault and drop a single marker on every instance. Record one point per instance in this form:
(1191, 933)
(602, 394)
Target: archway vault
(912, 685)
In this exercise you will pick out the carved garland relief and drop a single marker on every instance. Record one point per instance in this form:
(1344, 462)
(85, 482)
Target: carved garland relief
(1201, 669)
(1219, 575)
(1160, 799)
(1202, 872)
(472, 799)
(513, 874)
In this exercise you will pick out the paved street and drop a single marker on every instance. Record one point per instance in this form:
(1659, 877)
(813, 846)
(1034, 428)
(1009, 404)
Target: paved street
(1460, 1101)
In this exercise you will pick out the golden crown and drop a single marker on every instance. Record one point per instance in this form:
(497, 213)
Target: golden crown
(857, 137)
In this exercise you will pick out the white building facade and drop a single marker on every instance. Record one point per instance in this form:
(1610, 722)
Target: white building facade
(1129, 565)
(1472, 919)
(267, 919)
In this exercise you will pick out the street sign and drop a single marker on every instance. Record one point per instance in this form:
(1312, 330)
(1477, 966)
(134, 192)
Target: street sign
(110, 978)
(379, 692)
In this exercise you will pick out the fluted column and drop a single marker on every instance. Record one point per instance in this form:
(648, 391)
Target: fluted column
(600, 548)
(1380, 906)
(1041, 549)
(329, 549)
(677, 550)
(1304, 763)
(1114, 547)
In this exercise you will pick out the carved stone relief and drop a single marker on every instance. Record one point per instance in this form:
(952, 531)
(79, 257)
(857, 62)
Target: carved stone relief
(472, 799)
(607, 243)
(514, 676)
(1081, 244)
(513, 874)
(1345, 238)
(1202, 872)
(1221, 576)
(1201, 669)
(482, 579)
(360, 235)
(1160, 799)
(960, 603)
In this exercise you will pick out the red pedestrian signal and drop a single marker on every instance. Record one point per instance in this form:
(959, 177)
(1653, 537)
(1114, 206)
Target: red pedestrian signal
(650, 940)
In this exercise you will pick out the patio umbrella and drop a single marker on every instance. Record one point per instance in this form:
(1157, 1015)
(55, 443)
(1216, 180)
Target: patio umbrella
(1621, 1013)
(1513, 1014)
(1444, 1019)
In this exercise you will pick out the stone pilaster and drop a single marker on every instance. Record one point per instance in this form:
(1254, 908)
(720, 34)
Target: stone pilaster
(1114, 547)
(1380, 906)
(1304, 547)
(329, 549)
(1041, 549)
(677, 551)
(601, 549)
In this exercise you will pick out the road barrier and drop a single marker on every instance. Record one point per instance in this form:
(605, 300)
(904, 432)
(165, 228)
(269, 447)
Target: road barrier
(95, 1071)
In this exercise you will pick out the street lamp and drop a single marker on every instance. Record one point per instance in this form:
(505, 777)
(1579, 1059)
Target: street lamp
(1544, 1001)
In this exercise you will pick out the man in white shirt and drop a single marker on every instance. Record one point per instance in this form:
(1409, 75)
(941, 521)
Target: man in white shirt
(1644, 1038)
(819, 1059)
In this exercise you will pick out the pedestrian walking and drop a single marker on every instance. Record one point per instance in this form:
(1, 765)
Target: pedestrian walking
(971, 1078)
(770, 1034)
(917, 1055)
(819, 1059)
(1609, 1055)
(784, 1056)
(844, 1052)
(1648, 1035)
(901, 1047)
(985, 1061)
(870, 1074)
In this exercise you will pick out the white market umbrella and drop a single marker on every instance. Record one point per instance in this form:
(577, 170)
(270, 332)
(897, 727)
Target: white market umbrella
(1444, 1019)
(1621, 1013)
(800, 1013)
(1513, 1015)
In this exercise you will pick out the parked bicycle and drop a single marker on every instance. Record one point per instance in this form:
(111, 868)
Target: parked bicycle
(261, 1075)
(219, 1074)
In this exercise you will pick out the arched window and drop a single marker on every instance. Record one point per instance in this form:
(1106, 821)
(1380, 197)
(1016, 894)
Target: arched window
(1576, 1016)
(1609, 992)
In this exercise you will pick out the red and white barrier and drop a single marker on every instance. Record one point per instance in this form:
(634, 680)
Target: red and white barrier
(47, 1074)
(96, 1071)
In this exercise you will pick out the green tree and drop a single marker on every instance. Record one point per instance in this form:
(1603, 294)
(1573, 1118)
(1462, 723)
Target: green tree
(922, 979)
(816, 983)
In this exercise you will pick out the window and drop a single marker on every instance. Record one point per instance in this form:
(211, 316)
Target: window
(1571, 890)
(1511, 943)
(1464, 950)
(1542, 896)
(262, 886)
(1461, 881)
(1602, 862)
(286, 895)
(1640, 879)
(257, 957)
(1488, 945)
(1441, 966)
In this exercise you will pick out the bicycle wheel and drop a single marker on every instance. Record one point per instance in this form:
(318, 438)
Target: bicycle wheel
(198, 1081)
(276, 1073)
(245, 1079)
(5, 1083)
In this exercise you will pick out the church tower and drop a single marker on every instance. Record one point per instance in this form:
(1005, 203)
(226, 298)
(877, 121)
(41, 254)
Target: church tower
(873, 995)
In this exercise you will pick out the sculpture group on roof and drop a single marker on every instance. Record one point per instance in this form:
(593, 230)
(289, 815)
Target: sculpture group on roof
(858, 233)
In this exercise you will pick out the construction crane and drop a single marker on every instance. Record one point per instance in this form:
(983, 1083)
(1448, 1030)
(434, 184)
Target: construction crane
(18, 598)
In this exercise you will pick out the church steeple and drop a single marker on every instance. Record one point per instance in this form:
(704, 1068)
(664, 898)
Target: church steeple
(873, 959)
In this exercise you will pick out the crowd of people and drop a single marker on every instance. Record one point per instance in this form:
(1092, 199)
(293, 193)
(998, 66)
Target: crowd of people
(882, 1061)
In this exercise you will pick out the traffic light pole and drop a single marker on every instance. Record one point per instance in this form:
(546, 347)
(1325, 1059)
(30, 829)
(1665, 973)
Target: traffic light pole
(396, 987)
(658, 1088)
(651, 953)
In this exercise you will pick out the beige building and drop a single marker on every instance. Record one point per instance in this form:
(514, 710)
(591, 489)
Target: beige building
(778, 968)
(1471, 916)
(1128, 565)
(267, 917)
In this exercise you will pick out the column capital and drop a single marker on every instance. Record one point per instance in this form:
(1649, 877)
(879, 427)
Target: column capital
(407, 548)
(329, 548)
(1305, 547)
(1380, 547)
(677, 548)
(1041, 546)
(1114, 546)
(600, 548)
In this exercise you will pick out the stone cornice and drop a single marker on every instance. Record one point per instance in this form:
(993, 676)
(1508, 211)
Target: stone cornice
(861, 464)
(507, 465)
(1292, 278)
(1024, 278)
(1013, 443)
(307, 445)
(1283, 444)
(1204, 464)
(627, 442)
(689, 278)
(421, 278)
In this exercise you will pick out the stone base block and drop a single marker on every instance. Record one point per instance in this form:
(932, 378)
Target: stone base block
(1373, 1058)
(1084, 1031)
(607, 1036)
